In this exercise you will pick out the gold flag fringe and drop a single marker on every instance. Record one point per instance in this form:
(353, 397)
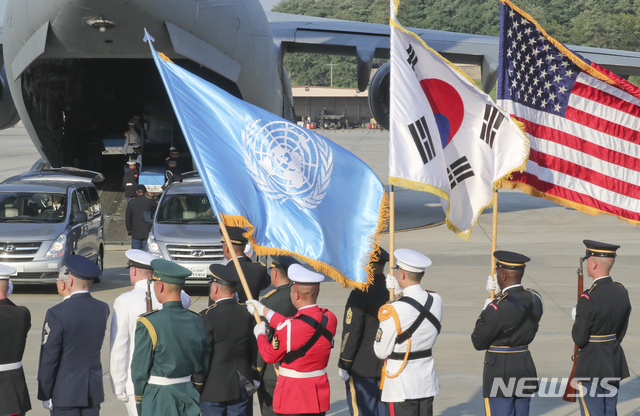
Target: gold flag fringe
(164, 57)
(332, 272)
(560, 201)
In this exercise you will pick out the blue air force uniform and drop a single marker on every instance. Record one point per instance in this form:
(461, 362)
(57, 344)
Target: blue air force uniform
(70, 371)
(505, 328)
(602, 318)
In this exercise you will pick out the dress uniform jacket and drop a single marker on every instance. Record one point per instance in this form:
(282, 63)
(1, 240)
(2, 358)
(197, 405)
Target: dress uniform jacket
(70, 371)
(256, 275)
(418, 378)
(359, 329)
(170, 343)
(499, 316)
(278, 300)
(15, 322)
(229, 330)
(130, 182)
(133, 216)
(603, 309)
(307, 394)
(126, 310)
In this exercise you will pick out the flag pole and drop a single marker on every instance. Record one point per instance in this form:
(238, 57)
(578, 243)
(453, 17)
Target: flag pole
(236, 263)
(392, 231)
(494, 240)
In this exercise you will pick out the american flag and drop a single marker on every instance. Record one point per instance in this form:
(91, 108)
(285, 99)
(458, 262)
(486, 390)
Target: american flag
(582, 120)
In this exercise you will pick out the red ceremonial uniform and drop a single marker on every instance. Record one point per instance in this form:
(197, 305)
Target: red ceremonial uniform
(299, 393)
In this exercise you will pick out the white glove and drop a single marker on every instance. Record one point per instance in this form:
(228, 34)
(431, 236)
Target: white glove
(123, 397)
(47, 404)
(253, 305)
(392, 284)
(343, 374)
(573, 314)
(491, 284)
(261, 328)
(256, 383)
(487, 301)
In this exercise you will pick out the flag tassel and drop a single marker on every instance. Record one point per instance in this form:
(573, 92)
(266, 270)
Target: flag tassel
(494, 240)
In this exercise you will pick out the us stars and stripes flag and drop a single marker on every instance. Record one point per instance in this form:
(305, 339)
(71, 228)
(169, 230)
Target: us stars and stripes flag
(447, 136)
(582, 120)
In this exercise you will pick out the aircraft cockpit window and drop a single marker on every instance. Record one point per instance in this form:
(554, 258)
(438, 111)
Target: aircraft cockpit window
(32, 207)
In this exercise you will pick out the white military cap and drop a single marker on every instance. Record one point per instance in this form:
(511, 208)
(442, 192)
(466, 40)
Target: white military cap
(172, 149)
(140, 259)
(6, 272)
(300, 275)
(132, 122)
(411, 261)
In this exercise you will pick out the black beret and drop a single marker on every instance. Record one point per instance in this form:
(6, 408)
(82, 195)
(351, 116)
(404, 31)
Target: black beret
(510, 260)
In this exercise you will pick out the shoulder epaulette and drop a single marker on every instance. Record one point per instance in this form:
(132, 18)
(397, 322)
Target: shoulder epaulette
(210, 308)
(395, 298)
(501, 298)
(270, 293)
(592, 287)
(262, 264)
(148, 313)
(619, 284)
(429, 291)
(241, 303)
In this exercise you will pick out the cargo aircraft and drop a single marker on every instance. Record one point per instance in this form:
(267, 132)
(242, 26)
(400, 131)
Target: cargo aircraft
(73, 68)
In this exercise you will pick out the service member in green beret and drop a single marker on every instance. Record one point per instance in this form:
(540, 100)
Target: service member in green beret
(170, 346)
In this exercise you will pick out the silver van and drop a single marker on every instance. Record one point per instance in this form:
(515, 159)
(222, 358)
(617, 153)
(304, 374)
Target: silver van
(46, 215)
(185, 230)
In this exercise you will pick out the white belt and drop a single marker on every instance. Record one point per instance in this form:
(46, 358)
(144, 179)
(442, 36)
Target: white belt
(10, 366)
(287, 372)
(165, 381)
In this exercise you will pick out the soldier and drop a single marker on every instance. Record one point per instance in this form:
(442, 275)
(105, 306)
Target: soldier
(170, 346)
(229, 385)
(279, 300)
(409, 327)
(69, 371)
(132, 138)
(360, 369)
(130, 181)
(15, 322)
(255, 273)
(137, 229)
(302, 344)
(126, 310)
(505, 328)
(601, 320)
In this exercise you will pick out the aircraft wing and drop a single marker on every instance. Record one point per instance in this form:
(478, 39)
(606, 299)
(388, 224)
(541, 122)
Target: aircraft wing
(366, 41)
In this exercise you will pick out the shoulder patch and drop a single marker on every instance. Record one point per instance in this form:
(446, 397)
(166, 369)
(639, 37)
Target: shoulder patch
(142, 315)
(395, 298)
(270, 293)
(584, 295)
(493, 305)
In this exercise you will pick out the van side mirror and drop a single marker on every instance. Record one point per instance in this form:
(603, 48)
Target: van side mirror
(79, 217)
(147, 217)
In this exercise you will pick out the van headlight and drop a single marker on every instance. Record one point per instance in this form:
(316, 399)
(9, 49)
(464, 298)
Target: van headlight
(57, 248)
(153, 247)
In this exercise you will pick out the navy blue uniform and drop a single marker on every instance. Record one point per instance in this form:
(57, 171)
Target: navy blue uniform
(15, 322)
(70, 372)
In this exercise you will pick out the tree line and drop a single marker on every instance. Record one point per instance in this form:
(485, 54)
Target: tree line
(611, 24)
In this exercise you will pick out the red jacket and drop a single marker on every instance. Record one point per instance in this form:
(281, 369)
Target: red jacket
(299, 395)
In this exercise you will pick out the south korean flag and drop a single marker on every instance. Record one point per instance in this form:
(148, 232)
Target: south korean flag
(447, 136)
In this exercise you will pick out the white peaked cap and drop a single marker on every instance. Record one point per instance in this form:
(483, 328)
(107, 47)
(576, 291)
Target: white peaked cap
(140, 256)
(6, 272)
(299, 274)
(412, 261)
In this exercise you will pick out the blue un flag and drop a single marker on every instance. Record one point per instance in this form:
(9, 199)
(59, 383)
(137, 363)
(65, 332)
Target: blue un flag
(297, 192)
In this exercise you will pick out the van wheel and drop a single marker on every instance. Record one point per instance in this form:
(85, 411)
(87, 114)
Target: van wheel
(99, 262)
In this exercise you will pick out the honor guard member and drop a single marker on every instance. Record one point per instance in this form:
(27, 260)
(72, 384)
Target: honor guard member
(130, 181)
(170, 346)
(131, 137)
(359, 367)
(601, 320)
(126, 310)
(409, 327)
(227, 389)
(137, 228)
(278, 300)
(15, 322)
(69, 371)
(505, 328)
(301, 345)
(255, 273)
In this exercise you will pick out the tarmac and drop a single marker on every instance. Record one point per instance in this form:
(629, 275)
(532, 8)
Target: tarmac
(550, 234)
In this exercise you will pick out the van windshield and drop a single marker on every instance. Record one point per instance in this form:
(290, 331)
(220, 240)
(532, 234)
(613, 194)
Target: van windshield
(186, 209)
(32, 207)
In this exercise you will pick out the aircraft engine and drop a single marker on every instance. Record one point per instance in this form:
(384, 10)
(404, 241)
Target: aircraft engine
(379, 95)
(8, 113)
